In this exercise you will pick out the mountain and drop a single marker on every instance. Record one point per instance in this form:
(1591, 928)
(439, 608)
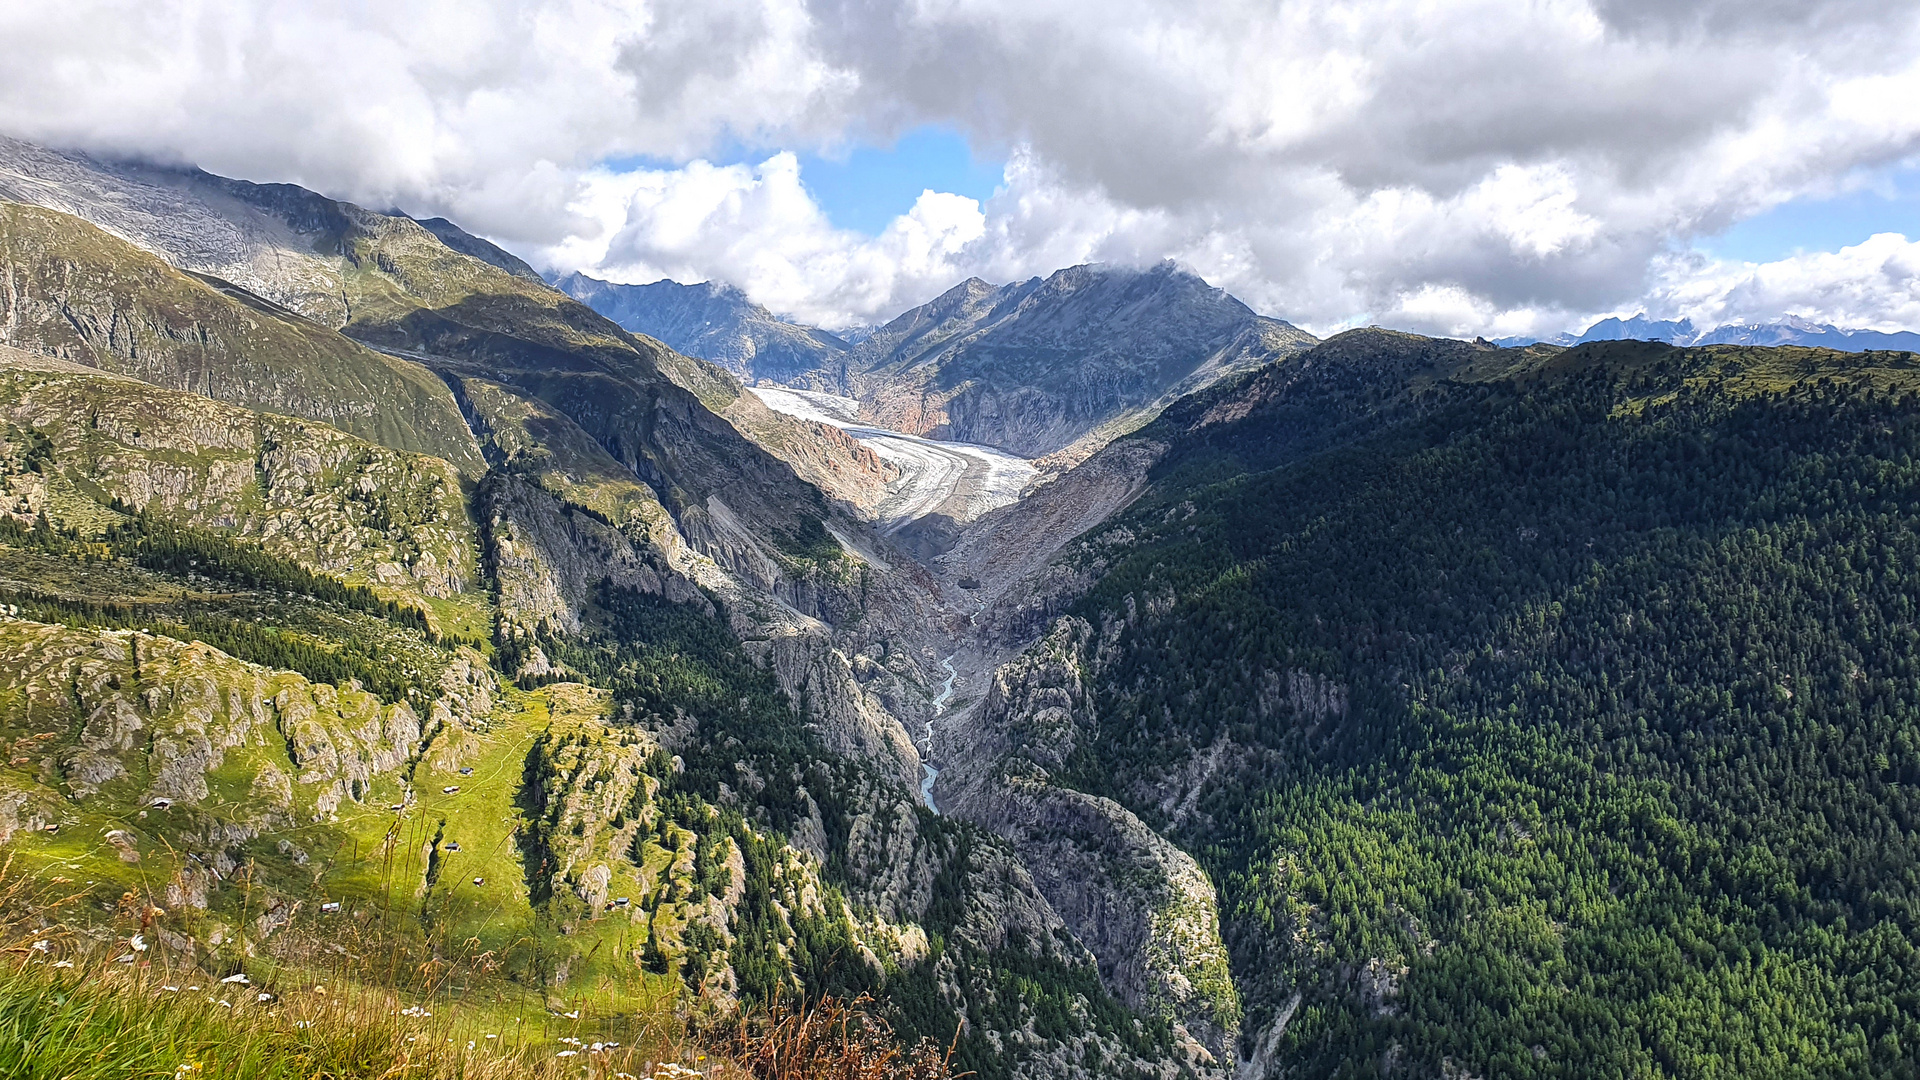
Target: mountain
(1055, 366)
(486, 251)
(1794, 331)
(214, 708)
(76, 291)
(1638, 328)
(388, 282)
(1788, 330)
(713, 322)
(374, 615)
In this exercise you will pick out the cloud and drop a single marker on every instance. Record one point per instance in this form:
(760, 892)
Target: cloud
(1496, 163)
(1873, 285)
(757, 226)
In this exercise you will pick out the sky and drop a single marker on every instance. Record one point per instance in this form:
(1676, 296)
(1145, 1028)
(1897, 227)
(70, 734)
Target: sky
(1495, 167)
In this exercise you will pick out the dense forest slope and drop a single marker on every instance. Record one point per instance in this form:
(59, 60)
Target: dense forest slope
(1536, 713)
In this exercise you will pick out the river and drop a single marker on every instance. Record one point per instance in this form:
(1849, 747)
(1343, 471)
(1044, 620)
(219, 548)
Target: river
(939, 706)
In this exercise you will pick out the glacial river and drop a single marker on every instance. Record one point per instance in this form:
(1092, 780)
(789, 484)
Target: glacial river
(930, 774)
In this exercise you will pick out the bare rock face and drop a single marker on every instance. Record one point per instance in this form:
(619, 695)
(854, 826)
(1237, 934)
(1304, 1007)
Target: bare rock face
(1008, 554)
(821, 454)
(1142, 906)
(549, 558)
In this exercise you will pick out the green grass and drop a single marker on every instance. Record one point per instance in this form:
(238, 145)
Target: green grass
(85, 997)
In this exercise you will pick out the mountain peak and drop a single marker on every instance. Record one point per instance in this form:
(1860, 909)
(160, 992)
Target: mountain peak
(712, 320)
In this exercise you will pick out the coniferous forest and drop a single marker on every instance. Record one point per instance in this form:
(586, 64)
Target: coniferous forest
(1571, 714)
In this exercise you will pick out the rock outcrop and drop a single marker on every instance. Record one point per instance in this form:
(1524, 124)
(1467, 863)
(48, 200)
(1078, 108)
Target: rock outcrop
(1141, 905)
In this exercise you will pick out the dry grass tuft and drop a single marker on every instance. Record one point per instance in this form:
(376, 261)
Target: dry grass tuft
(832, 1040)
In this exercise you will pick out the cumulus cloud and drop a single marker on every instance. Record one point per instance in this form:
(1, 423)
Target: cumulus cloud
(757, 226)
(1487, 165)
(1873, 285)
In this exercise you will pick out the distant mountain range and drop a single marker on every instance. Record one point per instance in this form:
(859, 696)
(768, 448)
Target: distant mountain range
(1789, 330)
(1056, 365)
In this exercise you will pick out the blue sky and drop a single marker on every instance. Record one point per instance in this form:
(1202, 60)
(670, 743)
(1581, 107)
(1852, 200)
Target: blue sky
(1891, 203)
(869, 186)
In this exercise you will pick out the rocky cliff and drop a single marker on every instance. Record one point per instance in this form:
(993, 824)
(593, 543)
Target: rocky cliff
(1141, 905)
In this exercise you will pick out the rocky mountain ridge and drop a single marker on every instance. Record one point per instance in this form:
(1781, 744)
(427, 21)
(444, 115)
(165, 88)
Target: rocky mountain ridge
(389, 282)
